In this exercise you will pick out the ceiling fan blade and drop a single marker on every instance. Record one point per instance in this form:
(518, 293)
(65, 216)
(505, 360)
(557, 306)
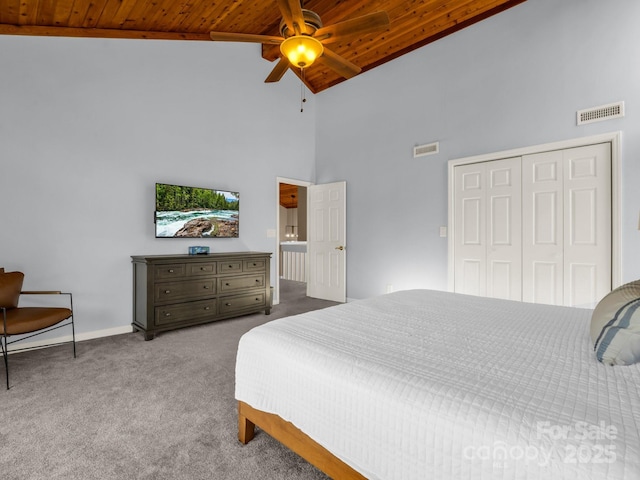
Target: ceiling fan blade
(245, 37)
(355, 26)
(339, 64)
(292, 15)
(280, 69)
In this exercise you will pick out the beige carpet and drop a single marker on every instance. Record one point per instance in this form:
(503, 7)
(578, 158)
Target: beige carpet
(130, 409)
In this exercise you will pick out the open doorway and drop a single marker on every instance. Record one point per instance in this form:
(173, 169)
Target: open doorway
(320, 226)
(291, 249)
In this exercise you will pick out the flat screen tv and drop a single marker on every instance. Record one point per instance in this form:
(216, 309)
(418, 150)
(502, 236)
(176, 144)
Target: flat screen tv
(192, 212)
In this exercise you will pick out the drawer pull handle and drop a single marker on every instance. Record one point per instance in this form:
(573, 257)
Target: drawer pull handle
(257, 299)
(255, 264)
(202, 268)
(258, 280)
(207, 308)
(226, 284)
(227, 304)
(167, 314)
(167, 292)
(171, 270)
(205, 286)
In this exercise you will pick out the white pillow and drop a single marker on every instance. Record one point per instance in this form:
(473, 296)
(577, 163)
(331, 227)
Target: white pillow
(615, 326)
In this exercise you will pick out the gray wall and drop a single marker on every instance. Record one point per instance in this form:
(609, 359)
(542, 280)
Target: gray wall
(87, 126)
(514, 80)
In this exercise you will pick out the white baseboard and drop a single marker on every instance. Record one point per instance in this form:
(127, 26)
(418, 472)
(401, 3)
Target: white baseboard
(80, 337)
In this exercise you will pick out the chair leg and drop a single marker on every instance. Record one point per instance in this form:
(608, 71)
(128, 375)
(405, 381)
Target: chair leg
(73, 325)
(5, 354)
(3, 345)
(73, 335)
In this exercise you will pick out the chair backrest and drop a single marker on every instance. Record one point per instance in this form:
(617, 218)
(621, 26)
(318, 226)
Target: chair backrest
(10, 287)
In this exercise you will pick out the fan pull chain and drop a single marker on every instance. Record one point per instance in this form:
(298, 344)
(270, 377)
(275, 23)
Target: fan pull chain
(303, 97)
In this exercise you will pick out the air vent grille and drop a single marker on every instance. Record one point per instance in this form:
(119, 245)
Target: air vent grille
(603, 112)
(426, 149)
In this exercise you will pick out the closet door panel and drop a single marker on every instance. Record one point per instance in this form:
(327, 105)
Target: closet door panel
(504, 231)
(544, 286)
(542, 229)
(587, 235)
(470, 227)
(488, 229)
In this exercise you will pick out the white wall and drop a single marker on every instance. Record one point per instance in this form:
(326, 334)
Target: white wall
(513, 80)
(87, 126)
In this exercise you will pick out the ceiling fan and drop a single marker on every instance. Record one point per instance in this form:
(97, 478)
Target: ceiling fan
(303, 39)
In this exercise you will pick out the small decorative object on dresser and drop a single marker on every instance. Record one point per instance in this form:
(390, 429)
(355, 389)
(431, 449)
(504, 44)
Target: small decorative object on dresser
(175, 291)
(198, 250)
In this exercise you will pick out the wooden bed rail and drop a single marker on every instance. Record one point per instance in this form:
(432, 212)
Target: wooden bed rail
(294, 439)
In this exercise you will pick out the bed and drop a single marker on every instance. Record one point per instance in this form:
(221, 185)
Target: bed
(426, 384)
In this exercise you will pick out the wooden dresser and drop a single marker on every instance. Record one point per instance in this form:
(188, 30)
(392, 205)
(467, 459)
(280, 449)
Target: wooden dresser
(175, 291)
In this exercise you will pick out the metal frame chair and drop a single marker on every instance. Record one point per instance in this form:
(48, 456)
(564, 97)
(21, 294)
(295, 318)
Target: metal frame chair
(24, 320)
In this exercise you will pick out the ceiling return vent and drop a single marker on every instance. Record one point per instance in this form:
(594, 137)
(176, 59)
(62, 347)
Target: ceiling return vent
(603, 112)
(426, 149)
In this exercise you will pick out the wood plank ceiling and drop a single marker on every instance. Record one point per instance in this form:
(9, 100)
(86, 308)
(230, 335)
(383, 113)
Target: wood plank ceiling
(288, 195)
(413, 23)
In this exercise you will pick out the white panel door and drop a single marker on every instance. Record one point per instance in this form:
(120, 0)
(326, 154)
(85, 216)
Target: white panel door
(504, 229)
(542, 229)
(470, 229)
(487, 229)
(587, 232)
(567, 226)
(326, 241)
(536, 227)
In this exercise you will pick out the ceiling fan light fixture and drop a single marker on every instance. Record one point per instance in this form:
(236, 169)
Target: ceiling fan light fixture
(301, 50)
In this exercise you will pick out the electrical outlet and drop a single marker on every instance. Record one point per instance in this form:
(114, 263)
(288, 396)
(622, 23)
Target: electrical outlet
(443, 231)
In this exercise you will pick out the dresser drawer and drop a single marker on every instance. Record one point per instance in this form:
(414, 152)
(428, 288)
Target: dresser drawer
(174, 291)
(183, 312)
(201, 269)
(254, 265)
(232, 266)
(232, 284)
(241, 302)
(166, 272)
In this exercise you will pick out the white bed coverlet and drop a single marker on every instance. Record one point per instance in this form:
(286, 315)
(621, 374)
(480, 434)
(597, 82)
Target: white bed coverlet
(424, 384)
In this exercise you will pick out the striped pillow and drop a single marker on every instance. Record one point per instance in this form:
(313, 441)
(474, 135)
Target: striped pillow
(615, 326)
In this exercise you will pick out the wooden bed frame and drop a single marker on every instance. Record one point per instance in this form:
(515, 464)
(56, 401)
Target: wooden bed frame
(293, 438)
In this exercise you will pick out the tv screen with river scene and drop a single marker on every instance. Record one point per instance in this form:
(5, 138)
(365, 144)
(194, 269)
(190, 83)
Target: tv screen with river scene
(192, 212)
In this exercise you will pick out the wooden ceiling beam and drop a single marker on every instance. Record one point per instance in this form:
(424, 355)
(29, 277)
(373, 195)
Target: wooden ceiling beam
(99, 33)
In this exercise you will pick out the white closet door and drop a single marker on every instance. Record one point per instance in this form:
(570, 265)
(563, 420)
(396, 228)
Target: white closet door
(587, 232)
(567, 226)
(504, 229)
(542, 233)
(470, 226)
(488, 229)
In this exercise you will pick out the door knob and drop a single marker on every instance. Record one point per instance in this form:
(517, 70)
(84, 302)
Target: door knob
(340, 248)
